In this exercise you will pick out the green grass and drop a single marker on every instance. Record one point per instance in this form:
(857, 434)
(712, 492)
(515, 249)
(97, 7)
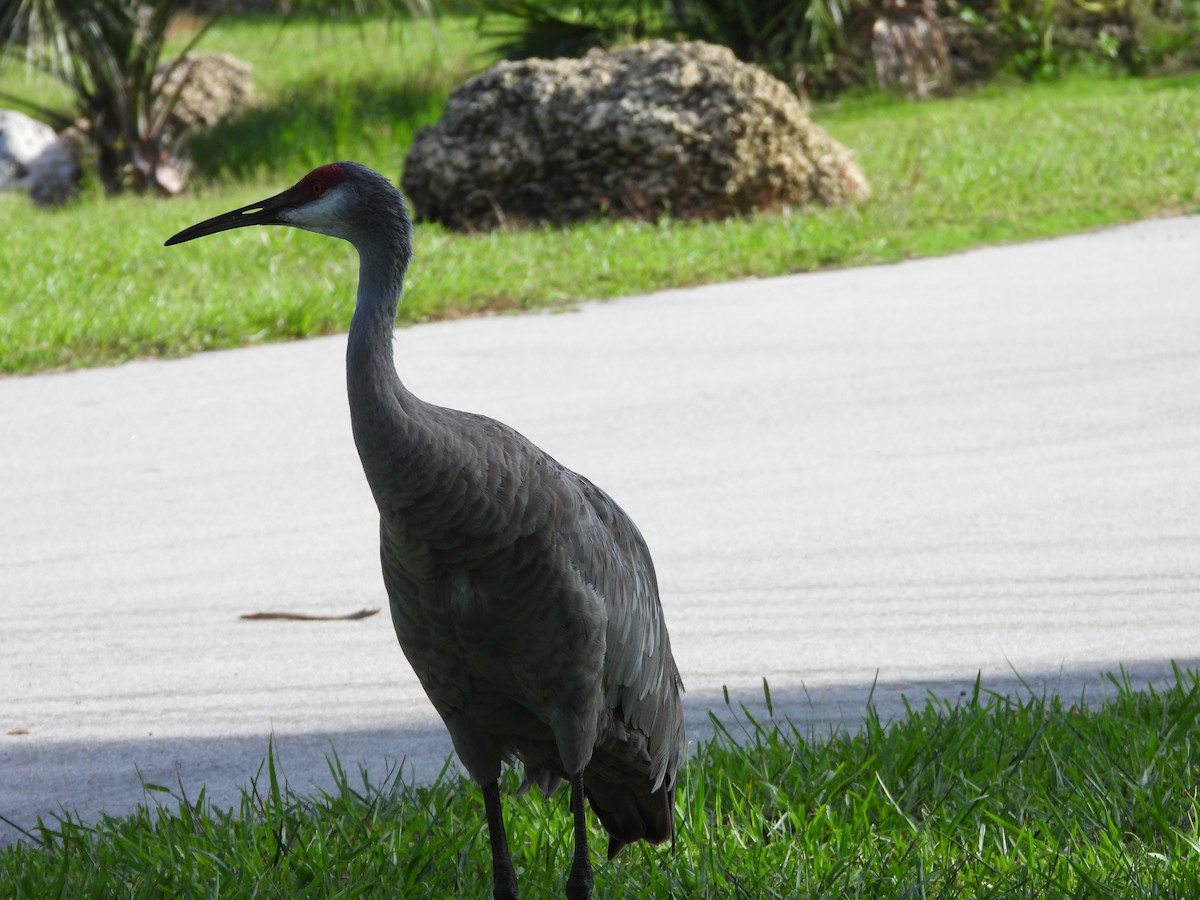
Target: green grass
(334, 92)
(92, 284)
(991, 797)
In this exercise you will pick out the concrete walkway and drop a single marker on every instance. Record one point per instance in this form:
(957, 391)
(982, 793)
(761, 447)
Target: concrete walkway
(904, 475)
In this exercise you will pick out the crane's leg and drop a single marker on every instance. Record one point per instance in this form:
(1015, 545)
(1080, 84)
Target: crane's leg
(579, 882)
(504, 876)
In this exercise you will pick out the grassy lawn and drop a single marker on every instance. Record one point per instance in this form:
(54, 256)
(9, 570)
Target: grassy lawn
(992, 797)
(92, 284)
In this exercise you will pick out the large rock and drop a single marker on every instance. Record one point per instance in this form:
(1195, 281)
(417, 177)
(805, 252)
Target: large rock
(35, 159)
(22, 140)
(908, 47)
(204, 89)
(215, 86)
(53, 177)
(658, 127)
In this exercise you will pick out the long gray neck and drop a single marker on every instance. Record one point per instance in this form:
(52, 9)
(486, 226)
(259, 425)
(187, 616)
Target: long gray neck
(369, 361)
(385, 416)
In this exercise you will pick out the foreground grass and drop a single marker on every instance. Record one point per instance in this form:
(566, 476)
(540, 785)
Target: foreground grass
(993, 797)
(92, 284)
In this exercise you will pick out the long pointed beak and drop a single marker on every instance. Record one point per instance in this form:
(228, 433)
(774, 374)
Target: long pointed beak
(265, 212)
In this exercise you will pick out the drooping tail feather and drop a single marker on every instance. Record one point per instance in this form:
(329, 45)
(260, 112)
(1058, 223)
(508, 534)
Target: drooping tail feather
(629, 814)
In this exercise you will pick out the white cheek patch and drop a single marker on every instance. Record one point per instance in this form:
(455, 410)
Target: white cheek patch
(320, 214)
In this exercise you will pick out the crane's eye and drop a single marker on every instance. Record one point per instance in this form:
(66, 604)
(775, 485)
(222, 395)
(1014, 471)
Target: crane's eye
(318, 189)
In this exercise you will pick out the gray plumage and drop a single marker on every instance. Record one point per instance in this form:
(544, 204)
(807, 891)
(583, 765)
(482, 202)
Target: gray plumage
(523, 596)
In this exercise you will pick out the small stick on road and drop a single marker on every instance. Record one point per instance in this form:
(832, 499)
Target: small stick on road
(302, 617)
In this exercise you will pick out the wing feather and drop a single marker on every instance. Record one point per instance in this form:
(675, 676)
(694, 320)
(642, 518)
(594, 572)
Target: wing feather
(641, 681)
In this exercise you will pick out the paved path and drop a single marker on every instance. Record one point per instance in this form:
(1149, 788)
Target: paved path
(914, 473)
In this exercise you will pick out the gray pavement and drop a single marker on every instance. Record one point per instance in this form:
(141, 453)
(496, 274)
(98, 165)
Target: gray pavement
(896, 476)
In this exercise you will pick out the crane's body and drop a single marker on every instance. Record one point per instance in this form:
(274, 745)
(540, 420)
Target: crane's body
(523, 596)
(527, 643)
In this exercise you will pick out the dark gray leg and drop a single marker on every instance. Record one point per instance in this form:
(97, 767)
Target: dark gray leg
(579, 883)
(504, 877)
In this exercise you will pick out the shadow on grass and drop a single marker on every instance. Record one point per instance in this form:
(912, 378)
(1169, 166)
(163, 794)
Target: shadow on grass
(84, 779)
(317, 122)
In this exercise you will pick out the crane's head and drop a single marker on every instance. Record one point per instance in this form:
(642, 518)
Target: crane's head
(342, 199)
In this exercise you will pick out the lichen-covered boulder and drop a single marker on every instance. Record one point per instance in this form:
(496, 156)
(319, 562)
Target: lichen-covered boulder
(909, 48)
(684, 129)
(215, 87)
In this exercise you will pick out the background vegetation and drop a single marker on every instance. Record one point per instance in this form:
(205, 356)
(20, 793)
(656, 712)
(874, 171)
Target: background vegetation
(90, 283)
(826, 45)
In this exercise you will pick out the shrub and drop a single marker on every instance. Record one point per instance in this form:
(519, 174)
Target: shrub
(109, 54)
(819, 45)
(106, 52)
(526, 29)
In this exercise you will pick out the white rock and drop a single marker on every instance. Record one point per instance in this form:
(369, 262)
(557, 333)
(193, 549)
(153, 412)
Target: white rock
(22, 140)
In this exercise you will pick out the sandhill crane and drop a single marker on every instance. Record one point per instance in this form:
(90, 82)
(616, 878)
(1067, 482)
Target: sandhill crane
(523, 596)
